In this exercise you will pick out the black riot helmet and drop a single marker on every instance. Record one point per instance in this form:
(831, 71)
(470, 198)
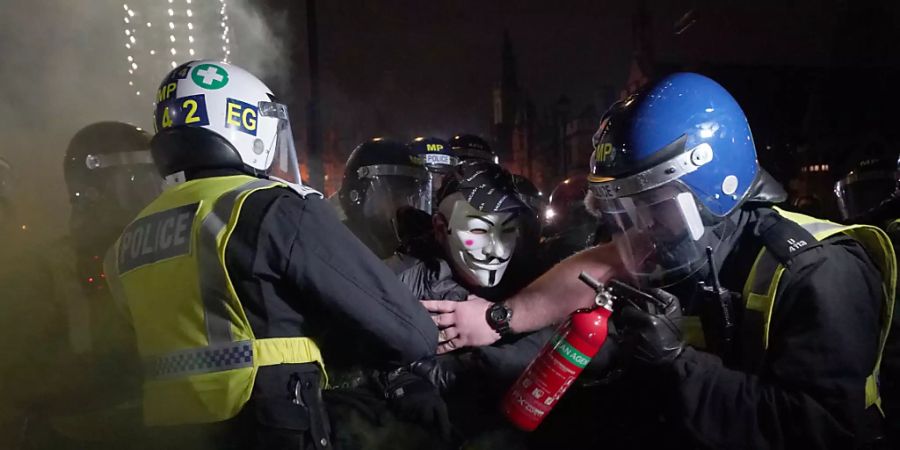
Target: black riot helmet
(870, 180)
(566, 208)
(108, 167)
(110, 177)
(380, 177)
(470, 146)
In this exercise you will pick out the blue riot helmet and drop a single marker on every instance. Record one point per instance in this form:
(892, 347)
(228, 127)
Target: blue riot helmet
(670, 163)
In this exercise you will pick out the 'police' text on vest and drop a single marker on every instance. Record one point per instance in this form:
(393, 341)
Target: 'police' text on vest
(159, 236)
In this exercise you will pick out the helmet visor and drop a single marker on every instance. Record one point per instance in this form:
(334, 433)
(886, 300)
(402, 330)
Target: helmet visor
(123, 181)
(660, 234)
(465, 154)
(283, 153)
(116, 194)
(388, 192)
(858, 194)
(385, 195)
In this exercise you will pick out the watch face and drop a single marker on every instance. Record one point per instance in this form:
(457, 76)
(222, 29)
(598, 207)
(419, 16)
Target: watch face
(499, 314)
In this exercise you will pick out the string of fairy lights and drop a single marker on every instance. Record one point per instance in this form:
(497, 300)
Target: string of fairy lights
(161, 34)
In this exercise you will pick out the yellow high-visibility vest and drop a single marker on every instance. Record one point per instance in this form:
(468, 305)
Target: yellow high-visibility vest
(761, 288)
(201, 356)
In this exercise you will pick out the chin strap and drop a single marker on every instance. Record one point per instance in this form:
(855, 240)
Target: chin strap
(766, 189)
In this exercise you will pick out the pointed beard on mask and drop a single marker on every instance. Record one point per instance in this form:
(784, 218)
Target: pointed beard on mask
(479, 245)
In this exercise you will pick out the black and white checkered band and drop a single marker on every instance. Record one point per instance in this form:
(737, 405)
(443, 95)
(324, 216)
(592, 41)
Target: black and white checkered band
(215, 358)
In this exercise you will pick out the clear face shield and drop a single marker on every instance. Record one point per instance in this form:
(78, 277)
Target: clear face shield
(121, 184)
(130, 181)
(859, 192)
(660, 234)
(391, 187)
(387, 189)
(465, 154)
(439, 165)
(285, 165)
(660, 229)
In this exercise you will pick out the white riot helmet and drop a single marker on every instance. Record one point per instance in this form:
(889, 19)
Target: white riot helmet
(249, 130)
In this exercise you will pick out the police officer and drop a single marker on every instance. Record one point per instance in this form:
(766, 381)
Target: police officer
(238, 283)
(868, 194)
(73, 321)
(469, 146)
(380, 177)
(794, 362)
(438, 157)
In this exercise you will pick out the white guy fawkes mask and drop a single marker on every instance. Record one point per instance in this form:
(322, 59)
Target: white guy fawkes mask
(479, 244)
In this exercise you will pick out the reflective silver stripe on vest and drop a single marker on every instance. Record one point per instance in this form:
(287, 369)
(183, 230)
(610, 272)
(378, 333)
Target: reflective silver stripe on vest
(215, 358)
(819, 227)
(213, 284)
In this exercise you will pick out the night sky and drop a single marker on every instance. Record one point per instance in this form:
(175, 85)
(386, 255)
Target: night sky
(408, 68)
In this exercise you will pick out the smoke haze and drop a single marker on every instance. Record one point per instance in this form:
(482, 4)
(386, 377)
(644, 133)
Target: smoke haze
(65, 65)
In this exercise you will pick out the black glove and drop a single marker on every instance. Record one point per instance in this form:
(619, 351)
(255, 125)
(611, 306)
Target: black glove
(649, 332)
(444, 371)
(415, 399)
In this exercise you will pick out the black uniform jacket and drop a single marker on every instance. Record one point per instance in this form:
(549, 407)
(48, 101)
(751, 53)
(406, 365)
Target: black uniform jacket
(299, 272)
(808, 391)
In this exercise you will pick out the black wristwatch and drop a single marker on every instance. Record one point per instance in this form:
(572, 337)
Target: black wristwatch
(498, 316)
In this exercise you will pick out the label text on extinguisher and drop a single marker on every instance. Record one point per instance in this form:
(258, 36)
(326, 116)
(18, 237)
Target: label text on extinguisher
(572, 354)
(524, 403)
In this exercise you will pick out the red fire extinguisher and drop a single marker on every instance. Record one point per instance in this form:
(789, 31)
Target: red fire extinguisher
(560, 362)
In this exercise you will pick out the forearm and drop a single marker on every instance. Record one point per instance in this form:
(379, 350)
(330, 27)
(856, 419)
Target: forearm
(559, 292)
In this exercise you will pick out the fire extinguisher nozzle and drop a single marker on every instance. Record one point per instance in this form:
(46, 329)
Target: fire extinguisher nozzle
(590, 281)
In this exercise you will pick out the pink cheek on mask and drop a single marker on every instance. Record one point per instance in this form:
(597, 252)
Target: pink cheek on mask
(469, 242)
